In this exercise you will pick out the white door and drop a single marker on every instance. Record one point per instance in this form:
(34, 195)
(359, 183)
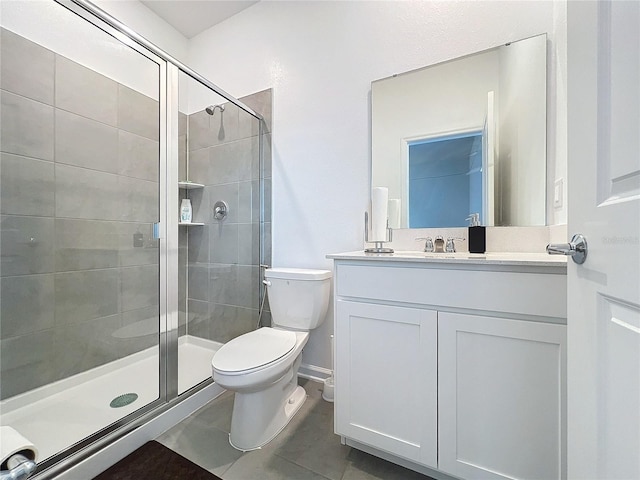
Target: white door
(604, 205)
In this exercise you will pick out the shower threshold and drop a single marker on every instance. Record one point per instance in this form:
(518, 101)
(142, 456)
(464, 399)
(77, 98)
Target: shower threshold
(58, 415)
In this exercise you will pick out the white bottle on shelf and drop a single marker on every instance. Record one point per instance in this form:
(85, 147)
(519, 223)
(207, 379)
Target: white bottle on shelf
(186, 212)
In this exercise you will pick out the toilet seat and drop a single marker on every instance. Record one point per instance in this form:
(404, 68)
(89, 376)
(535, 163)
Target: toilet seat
(253, 350)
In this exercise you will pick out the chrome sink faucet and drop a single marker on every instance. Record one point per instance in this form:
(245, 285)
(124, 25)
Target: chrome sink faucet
(451, 246)
(428, 243)
(438, 244)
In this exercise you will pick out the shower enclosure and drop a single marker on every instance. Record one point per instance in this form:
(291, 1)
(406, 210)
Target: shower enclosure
(111, 307)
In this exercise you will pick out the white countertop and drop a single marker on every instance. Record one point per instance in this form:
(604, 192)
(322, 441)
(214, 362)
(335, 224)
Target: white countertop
(489, 258)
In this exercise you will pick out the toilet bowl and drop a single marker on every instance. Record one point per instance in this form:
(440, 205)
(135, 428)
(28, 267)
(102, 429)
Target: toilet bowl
(261, 367)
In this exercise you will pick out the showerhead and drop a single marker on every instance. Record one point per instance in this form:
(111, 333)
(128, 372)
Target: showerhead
(211, 109)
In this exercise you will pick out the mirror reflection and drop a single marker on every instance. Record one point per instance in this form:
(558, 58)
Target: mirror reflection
(465, 136)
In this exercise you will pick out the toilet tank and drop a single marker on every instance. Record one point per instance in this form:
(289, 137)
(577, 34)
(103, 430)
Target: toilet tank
(299, 298)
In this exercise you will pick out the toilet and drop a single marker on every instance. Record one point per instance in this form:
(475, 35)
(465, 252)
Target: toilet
(261, 367)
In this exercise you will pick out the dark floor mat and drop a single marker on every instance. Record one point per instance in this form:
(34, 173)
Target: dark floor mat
(154, 461)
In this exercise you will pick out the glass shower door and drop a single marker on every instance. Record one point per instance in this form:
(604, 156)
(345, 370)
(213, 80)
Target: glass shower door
(219, 249)
(80, 184)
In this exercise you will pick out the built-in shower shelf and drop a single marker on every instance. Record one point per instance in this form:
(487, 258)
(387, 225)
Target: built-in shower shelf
(191, 224)
(190, 185)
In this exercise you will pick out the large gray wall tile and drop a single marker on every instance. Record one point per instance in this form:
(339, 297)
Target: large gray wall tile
(245, 202)
(200, 166)
(85, 295)
(133, 251)
(232, 162)
(27, 304)
(82, 91)
(248, 125)
(139, 286)
(26, 362)
(138, 113)
(265, 253)
(182, 123)
(266, 200)
(139, 200)
(227, 193)
(229, 322)
(248, 286)
(223, 283)
(198, 241)
(138, 156)
(206, 130)
(224, 243)
(85, 244)
(260, 102)
(267, 159)
(27, 245)
(86, 345)
(140, 330)
(85, 143)
(82, 193)
(26, 186)
(248, 244)
(27, 127)
(198, 278)
(26, 68)
(198, 319)
(182, 158)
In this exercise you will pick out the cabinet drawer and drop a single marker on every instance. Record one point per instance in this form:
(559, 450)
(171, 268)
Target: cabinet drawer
(525, 293)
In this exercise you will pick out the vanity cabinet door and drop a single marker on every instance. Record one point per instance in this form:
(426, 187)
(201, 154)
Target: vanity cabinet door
(386, 378)
(501, 397)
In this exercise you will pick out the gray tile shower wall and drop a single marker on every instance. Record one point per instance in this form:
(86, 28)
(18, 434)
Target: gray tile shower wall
(79, 170)
(223, 257)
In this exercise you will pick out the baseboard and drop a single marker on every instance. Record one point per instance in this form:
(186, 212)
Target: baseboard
(315, 373)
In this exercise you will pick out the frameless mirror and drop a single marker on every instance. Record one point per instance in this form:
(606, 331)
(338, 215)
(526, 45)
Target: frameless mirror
(464, 136)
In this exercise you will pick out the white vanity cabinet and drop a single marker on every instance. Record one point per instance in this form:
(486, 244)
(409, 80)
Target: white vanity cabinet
(390, 401)
(453, 367)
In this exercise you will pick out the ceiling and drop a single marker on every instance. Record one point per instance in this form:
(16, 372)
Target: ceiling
(191, 17)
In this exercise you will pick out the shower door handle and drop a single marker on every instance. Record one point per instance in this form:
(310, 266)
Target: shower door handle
(156, 231)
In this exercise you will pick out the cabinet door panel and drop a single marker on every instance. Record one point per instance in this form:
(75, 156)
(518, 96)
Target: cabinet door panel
(386, 378)
(500, 397)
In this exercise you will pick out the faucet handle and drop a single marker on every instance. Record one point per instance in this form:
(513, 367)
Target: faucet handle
(451, 246)
(428, 243)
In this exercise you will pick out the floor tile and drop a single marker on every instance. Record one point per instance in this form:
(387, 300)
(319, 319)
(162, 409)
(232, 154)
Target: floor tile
(307, 449)
(218, 413)
(311, 443)
(363, 466)
(202, 444)
(262, 465)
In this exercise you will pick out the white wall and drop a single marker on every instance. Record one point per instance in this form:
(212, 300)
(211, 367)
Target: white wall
(320, 58)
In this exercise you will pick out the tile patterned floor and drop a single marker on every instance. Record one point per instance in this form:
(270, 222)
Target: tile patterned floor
(307, 449)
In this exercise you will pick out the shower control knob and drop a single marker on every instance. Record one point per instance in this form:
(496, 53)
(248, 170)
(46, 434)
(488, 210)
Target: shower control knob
(220, 210)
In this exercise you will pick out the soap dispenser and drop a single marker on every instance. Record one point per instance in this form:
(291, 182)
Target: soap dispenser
(477, 234)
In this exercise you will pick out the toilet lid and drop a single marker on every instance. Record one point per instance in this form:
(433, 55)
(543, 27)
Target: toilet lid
(253, 350)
